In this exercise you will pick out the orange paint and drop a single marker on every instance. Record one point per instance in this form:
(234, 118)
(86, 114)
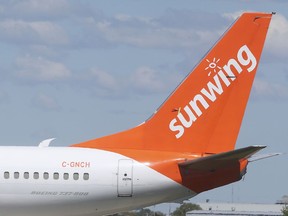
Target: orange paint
(204, 114)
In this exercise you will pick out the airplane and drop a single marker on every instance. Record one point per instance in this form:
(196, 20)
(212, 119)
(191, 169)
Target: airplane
(186, 146)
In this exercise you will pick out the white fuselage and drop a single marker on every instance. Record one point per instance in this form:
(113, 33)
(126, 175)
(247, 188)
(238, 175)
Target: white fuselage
(78, 181)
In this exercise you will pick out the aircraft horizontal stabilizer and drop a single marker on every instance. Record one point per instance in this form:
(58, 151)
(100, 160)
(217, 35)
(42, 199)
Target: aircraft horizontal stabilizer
(216, 160)
(216, 170)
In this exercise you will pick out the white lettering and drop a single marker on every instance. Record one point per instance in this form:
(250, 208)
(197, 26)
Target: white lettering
(195, 107)
(227, 68)
(224, 78)
(211, 94)
(250, 58)
(191, 116)
(244, 58)
(176, 128)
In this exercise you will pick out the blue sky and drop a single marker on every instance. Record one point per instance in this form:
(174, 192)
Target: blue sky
(76, 70)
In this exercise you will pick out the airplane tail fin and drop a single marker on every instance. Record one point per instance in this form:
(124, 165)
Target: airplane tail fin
(205, 111)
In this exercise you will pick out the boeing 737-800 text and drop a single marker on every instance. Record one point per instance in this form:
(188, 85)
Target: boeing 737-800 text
(185, 148)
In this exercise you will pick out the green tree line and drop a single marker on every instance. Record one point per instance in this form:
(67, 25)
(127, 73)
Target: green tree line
(180, 211)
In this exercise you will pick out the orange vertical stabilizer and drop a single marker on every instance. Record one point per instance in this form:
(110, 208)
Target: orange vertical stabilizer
(204, 113)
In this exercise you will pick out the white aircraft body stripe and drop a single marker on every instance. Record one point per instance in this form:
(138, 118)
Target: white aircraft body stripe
(101, 194)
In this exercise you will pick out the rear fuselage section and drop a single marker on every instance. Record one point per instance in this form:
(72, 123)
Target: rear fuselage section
(73, 181)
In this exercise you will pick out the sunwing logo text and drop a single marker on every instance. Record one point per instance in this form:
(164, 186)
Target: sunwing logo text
(213, 89)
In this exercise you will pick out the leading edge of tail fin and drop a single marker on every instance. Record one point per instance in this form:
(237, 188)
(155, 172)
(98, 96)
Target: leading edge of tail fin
(205, 111)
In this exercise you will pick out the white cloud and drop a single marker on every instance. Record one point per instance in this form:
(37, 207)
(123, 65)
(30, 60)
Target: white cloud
(161, 37)
(92, 28)
(269, 90)
(103, 79)
(45, 102)
(147, 80)
(17, 31)
(128, 19)
(142, 80)
(234, 15)
(34, 9)
(39, 69)
(277, 42)
(158, 32)
(49, 32)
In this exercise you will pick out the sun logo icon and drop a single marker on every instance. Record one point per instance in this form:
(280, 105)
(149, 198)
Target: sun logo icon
(212, 65)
